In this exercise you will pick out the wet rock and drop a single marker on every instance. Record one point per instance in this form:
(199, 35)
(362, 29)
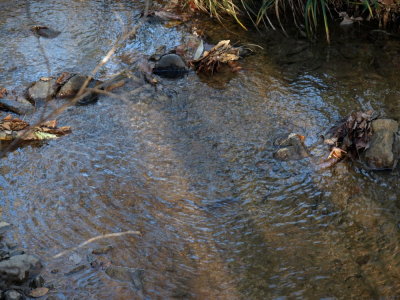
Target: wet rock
(42, 90)
(12, 295)
(44, 31)
(380, 154)
(72, 86)
(4, 255)
(4, 226)
(91, 97)
(294, 148)
(170, 66)
(16, 107)
(126, 274)
(18, 268)
(75, 259)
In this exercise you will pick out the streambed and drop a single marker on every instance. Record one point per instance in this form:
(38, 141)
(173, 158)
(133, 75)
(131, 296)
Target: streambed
(190, 165)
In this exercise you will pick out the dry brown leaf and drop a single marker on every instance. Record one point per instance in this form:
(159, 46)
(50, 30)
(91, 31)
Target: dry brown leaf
(63, 78)
(336, 153)
(3, 92)
(39, 292)
(8, 117)
(50, 124)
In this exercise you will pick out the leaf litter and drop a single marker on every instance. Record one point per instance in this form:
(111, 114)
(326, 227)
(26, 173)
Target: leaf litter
(221, 54)
(351, 136)
(14, 128)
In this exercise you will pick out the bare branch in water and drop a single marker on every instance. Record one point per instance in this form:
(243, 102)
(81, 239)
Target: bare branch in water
(96, 238)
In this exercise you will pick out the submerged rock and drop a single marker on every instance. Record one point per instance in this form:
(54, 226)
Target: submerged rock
(18, 268)
(72, 87)
(44, 31)
(17, 107)
(126, 274)
(12, 295)
(42, 90)
(294, 148)
(170, 66)
(380, 154)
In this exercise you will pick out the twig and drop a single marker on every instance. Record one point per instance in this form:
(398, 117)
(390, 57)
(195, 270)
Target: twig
(96, 238)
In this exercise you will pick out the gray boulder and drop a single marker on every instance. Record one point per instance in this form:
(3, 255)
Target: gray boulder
(18, 268)
(42, 90)
(380, 153)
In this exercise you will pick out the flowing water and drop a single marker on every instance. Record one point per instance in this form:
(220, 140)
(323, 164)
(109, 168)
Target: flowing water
(191, 166)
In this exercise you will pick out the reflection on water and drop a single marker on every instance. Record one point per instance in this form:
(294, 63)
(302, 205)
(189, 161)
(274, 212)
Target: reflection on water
(193, 171)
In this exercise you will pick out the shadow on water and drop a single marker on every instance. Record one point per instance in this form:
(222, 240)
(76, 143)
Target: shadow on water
(191, 168)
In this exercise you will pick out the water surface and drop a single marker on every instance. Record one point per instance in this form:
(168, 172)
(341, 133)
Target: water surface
(191, 167)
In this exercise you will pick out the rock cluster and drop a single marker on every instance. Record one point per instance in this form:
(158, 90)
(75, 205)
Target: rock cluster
(292, 148)
(19, 272)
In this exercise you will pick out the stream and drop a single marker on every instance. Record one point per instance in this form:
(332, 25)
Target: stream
(189, 164)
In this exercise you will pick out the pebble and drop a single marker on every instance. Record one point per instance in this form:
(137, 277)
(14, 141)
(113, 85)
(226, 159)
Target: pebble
(12, 295)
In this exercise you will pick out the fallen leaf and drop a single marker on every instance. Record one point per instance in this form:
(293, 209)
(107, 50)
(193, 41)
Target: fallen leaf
(39, 292)
(50, 124)
(63, 78)
(199, 51)
(3, 92)
(336, 153)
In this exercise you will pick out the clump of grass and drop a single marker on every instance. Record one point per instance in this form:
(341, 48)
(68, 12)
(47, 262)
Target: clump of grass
(307, 15)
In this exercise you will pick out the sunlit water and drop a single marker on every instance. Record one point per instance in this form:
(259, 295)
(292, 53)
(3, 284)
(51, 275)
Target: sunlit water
(191, 167)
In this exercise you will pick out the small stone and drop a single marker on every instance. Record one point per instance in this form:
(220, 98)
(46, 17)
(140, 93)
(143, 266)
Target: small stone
(4, 226)
(103, 250)
(362, 260)
(76, 270)
(170, 66)
(12, 295)
(75, 259)
(42, 90)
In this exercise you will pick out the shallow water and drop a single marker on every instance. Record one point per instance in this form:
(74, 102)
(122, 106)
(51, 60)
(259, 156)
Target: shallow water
(191, 167)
